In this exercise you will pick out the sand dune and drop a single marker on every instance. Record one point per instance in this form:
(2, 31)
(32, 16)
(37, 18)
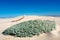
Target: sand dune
(54, 35)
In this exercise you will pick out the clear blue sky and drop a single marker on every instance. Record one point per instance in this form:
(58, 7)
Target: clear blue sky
(29, 7)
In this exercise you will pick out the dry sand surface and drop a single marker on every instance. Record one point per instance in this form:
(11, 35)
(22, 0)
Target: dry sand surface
(7, 22)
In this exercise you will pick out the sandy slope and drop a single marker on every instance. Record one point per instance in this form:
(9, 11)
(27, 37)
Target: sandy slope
(54, 35)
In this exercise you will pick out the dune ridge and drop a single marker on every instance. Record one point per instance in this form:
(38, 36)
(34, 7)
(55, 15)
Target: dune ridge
(54, 35)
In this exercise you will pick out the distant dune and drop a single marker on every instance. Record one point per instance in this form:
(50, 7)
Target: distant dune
(54, 15)
(54, 35)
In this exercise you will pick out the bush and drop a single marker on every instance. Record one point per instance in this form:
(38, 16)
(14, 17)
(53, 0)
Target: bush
(30, 28)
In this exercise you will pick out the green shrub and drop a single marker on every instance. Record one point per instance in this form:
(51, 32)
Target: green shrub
(30, 28)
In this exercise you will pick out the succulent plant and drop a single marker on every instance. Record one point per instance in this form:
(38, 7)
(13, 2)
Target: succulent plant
(30, 28)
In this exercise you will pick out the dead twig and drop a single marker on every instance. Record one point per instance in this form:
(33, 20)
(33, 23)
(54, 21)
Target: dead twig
(18, 19)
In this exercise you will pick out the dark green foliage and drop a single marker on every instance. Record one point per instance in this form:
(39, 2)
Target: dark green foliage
(30, 28)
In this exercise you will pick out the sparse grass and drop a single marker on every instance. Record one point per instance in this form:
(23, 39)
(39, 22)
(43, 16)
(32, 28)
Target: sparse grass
(30, 28)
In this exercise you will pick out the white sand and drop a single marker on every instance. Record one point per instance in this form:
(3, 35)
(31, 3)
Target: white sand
(54, 35)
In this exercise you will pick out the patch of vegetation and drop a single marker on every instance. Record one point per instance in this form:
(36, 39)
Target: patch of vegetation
(30, 28)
